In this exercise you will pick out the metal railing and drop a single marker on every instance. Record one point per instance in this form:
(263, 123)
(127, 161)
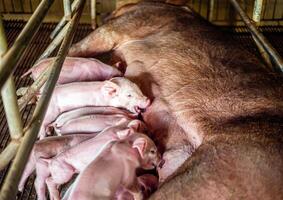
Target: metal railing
(269, 54)
(222, 13)
(22, 140)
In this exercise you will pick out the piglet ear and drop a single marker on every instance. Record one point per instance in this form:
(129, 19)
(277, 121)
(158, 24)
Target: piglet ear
(123, 134)
(135, 124)
(110, 88)
(140, 144)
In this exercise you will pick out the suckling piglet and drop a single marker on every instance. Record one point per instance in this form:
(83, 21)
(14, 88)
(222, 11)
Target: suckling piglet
(89, 123)
(63, 166)
(114, 167)
(90, 110)
(117, 92)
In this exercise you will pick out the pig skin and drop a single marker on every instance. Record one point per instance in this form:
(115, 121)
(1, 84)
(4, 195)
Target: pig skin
(89, 124)
(115, 166)
(199, 80)
(117, 92)
(63, 166)
(77, 70)
(90, 110)
(53, 146)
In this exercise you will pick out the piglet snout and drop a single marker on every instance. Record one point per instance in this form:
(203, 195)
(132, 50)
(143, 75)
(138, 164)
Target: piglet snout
(144, 104)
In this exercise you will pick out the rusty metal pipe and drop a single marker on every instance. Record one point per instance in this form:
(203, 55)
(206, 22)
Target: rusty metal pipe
(259, 36)
(9, 189)
(13, 55)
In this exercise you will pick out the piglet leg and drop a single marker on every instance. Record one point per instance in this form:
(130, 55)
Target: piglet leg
(53, 189)
(42, 173)
(27, 172)
(60, 173)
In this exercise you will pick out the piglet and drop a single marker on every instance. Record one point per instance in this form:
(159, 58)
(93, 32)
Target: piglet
(77, 69)
(94, 123)
(90, 110)
(114, 167)
(117, 92)
(49, 147)
(73, 160)
(89, 124)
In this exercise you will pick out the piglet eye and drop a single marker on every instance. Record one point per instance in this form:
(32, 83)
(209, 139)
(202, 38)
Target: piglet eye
(152, 151)
(129, 95)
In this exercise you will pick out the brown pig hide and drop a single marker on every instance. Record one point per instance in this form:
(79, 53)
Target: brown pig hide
(208, 94)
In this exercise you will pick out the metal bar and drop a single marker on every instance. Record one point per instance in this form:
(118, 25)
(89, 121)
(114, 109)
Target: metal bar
(13, 55)
(9, 98)
(257, 10)
(4, 6)
(274, 9)
(63, 21)
(22, 6)
(34, 88)
(93, 13)
(9, 189)
(211, 8)
(67, 9)
(259, 36)
(264, 11)
(55, 43)
(13, 6)
(9, 153)
(256, 18)
(3, 40)
(217, 10)
(30, 6)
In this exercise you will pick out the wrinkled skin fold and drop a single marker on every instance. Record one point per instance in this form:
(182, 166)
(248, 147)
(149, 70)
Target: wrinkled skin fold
(216, 111)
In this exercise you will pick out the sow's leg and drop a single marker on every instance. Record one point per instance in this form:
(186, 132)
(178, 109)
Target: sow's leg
(235, 167)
